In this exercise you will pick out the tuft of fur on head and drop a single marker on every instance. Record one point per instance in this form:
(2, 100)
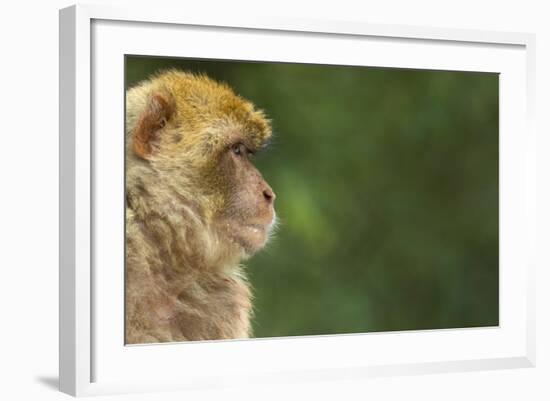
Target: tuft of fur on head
(193, 210)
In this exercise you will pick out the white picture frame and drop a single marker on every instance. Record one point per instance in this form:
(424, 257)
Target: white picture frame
(93, 358)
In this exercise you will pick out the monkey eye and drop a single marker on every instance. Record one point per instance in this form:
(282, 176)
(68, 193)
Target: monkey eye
(240, 149)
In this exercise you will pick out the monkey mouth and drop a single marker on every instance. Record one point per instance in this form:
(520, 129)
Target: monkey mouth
(260, 228)
(253, 237)
(250, 234)
(264, 228)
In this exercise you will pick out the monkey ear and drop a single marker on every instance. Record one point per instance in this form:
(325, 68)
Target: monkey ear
(157, 113)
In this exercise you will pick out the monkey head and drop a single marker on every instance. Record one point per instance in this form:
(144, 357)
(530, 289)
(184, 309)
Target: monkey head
(190, 148)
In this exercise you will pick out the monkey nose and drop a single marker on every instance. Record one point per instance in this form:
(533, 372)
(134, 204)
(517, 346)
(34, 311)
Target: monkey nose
(269, 195)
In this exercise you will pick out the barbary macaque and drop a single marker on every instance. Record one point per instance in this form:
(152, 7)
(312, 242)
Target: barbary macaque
(196, 207)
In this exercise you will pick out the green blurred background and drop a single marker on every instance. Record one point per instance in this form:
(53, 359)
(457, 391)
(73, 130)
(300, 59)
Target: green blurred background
(387, 193)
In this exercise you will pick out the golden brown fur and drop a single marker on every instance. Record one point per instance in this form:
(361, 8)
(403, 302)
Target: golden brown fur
(195, 208)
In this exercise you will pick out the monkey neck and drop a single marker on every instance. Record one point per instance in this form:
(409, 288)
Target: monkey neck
(174, 294)
(183, 287)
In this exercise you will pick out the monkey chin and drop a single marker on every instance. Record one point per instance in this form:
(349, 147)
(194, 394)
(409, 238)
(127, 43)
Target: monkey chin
(252, 238)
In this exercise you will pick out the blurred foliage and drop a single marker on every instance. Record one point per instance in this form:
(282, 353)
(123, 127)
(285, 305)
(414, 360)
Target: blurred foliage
(387, 185)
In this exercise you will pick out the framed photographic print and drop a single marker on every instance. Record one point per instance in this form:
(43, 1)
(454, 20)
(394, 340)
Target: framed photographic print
(263, 200)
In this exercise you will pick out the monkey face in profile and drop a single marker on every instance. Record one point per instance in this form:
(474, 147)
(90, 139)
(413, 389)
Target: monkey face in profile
(195, 139)
(248, 215)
